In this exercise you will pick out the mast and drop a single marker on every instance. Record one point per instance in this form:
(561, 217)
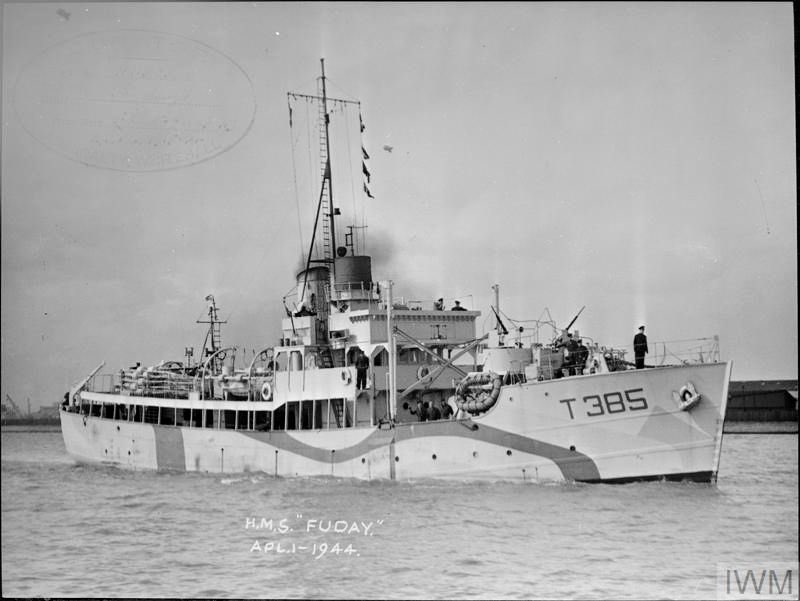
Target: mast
(213, 333)
(328, 170)
(499, 325)
(391, 396)
(324, 220)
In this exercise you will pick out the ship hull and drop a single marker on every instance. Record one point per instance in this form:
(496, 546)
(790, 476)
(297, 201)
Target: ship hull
(614, 427)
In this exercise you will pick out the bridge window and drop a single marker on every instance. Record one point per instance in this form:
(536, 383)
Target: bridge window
(312, 360)
(306, 415)
(261, 420)
(279, 418)
(320, 407)
(291, 415)
(150, 415)
(167, 416)
(296, 361)
(381, 358)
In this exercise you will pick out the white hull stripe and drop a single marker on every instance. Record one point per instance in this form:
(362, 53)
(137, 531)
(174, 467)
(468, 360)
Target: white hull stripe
(285, 442)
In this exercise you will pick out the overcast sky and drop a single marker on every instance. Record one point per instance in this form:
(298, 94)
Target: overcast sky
(638, 159)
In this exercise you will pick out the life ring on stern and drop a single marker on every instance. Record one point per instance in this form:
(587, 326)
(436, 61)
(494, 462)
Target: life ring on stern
(422, 372)
(346, 377)
(266, 391)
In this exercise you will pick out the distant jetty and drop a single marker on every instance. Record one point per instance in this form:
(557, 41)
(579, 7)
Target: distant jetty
(762, 401)
(762, 407)
(13, 415)
(31, 421)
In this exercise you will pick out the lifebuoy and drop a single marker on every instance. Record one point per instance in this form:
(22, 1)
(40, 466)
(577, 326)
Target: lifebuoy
(478, 392)
(346, 378)
(688, 396)
(266, 391)
(84, 420)
(422, 372)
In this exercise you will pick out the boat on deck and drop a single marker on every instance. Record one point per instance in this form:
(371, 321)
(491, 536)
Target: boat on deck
(366, 385)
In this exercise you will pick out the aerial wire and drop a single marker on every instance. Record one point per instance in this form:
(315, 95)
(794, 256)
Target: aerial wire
(294, 175)
(350, 171)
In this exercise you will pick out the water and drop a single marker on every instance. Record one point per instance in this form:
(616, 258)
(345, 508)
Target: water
(76, 531)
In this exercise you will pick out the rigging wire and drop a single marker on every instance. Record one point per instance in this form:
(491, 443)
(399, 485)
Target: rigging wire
(294, 175)
(312, 177)
(333, 84)
(350, 99)
(350, 172)
(364, 199)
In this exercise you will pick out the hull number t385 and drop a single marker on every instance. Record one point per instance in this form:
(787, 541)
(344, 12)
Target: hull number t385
(611, 402)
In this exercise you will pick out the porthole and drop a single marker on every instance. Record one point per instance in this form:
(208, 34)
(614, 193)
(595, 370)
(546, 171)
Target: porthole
(434, 456)
(508, 453)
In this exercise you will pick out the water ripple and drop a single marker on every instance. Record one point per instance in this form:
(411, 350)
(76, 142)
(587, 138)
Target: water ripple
(71, 530)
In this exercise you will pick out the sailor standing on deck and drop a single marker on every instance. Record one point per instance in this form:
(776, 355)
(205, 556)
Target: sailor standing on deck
(640, 347)
(362, 365)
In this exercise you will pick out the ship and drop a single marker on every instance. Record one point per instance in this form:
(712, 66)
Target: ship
(365, 384)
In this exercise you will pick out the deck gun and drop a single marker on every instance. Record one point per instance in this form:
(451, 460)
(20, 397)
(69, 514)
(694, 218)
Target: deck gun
(574, 319)
(563, 337)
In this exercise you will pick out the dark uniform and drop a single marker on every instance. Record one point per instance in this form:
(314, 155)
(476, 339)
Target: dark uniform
(640, 348)
(581, 355)
(572, 355)
(362, 365)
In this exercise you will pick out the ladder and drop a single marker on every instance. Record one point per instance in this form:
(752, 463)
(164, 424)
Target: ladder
(216, 336)
(327, 251)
